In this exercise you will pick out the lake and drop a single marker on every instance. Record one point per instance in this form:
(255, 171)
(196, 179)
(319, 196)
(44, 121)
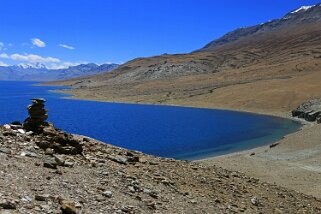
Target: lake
(176, 132)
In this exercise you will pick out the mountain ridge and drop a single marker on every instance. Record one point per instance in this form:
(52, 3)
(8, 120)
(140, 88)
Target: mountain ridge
(39, 72)
(284, 53)
(289, 18)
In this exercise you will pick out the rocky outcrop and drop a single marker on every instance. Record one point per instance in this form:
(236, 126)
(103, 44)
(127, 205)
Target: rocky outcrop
(310, 111)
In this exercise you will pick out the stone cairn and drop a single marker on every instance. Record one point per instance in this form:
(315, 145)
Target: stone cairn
(37, 115)
(54, 140)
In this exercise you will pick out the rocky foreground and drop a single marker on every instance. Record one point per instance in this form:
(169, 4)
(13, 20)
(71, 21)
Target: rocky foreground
(54, 172)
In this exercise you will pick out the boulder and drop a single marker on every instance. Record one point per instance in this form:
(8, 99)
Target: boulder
(310, 110)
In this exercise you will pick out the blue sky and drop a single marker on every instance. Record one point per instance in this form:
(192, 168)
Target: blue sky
(65, 32)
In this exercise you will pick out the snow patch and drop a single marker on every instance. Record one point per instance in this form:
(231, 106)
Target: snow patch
(34, 65)
(303, 8)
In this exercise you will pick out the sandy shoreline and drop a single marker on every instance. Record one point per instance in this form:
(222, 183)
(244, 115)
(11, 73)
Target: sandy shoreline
(74, 95)
(294, 163)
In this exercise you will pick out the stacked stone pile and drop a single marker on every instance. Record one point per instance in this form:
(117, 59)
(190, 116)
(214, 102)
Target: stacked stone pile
(37, 115)
(53, 139)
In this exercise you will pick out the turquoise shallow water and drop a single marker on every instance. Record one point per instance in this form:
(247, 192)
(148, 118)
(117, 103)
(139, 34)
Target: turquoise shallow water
(177, 132)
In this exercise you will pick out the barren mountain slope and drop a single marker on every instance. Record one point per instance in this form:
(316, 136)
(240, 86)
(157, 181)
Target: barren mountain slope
(273, 68)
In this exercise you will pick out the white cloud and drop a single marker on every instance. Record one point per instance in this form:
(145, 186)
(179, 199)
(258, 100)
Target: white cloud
(3, 64)
(64, 65)
(67, 46)
(37, 42)
(1, 45)
(4, 56)
(32, 58)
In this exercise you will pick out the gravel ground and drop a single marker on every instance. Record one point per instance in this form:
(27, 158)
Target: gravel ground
(37, 177)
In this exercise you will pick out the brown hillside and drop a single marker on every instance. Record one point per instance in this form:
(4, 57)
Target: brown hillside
(273, 69)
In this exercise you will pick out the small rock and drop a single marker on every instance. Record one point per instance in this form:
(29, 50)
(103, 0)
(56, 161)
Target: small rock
(49, 151)
(133, 159)
(26, 199)
(6, 126)
(151, 193)
(78, 205)
(274, 145)
(21, 131)
(254, 201)
(42, 197)
(86, 139)
(31, 154)
(59, 160)
(153, 163)
(193, 201)
(45, 207)
(121, 160)
(5, 150)
(5, 204)
(50, 163)
(107, 194)
(29, 133)
(69, 164)
(68, 207)
(131, 188)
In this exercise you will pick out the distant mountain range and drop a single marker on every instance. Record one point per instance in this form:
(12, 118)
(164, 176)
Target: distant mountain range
(39, 72)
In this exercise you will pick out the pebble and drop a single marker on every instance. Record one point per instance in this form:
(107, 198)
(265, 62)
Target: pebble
(49, 151)
(131, 188)
(68, 207)
(26, 198)
(42, 197)
(6, 126)
(5, 150)
(107, 194)
(121, 160)
(31, 154)
(254, 201)
(69, 164)
(21, 131)
(50, 163)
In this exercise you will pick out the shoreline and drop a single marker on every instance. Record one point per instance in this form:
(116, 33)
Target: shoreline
(292, 163)
(75, 97)
(305, 124)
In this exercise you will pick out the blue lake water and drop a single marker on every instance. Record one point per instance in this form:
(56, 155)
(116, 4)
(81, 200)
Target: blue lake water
(177, 132)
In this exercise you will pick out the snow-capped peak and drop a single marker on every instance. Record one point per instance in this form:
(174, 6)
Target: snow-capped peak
(303, 8)
(36, 65)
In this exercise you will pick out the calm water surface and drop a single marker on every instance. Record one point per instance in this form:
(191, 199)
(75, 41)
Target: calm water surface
(177, 132)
